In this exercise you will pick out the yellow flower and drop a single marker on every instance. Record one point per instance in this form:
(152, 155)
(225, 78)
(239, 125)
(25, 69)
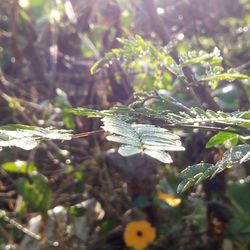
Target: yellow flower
(171, 200)
(139, 234)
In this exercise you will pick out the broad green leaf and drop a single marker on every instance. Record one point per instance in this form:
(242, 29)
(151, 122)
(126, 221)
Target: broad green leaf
(18, 166)
(222, 137)
(36, 193)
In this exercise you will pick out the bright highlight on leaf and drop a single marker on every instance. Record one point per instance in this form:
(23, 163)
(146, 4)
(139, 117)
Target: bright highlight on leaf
(142, 138)
(18, 166)
(169, 199)
(221, 138)
(28, 137)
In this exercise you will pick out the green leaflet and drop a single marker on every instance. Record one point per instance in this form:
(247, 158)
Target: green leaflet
(142, 138)
(28, 137)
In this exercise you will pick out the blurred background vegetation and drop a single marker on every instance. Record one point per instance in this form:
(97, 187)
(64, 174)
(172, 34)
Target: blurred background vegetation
(80, 194)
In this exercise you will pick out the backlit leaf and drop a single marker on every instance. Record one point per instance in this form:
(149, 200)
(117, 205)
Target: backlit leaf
(142, 138)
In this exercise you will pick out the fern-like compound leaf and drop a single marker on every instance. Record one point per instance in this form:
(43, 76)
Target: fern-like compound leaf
(142, 138)
(195, 174)
(28, 137)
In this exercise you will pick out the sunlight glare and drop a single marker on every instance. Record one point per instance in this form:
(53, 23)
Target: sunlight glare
(227, 89)
(55, 15)
(24, 3)
(160, 11)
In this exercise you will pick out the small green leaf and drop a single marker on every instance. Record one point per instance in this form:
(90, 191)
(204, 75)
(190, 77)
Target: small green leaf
(18, 166)
(222, 137)
(37, 193)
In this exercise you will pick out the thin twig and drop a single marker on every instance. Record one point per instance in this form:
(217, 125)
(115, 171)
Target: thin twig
(25, 230)
(85, 134)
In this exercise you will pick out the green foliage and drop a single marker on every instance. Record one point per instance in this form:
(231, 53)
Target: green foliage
(193, 175)
(197, 115)
(142, 138)
(233, 126)
(188, 89)
(136, 49)
(236, 192)
(20, 167)
(222, 138)
(35, 191)
(28, 137)
(191, 116)
(201, 57)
